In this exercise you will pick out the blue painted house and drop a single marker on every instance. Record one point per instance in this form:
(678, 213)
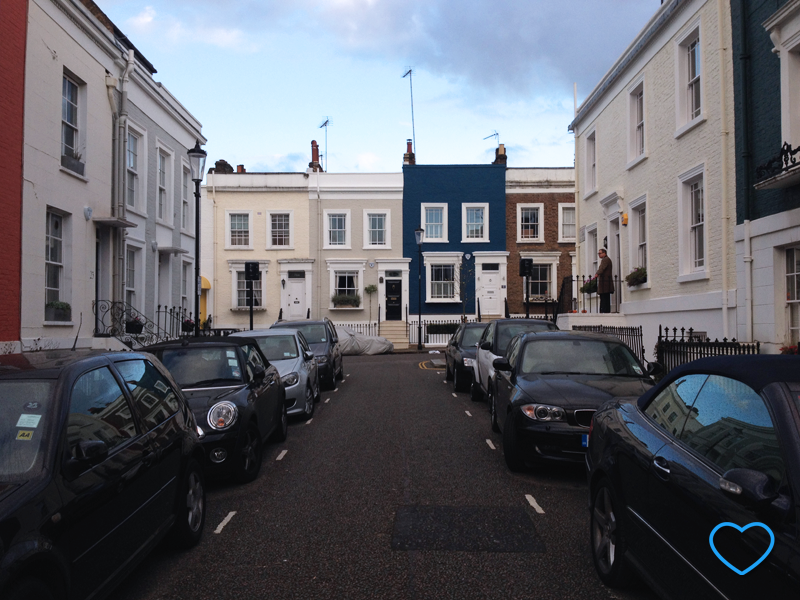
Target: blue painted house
(463, 256)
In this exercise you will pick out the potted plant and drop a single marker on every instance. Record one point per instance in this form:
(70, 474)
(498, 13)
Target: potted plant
(72, 160)
(134, 324)
(187, 326)
(57, 311)
(370, 289)
(346, 300)
(590, 287)
(636, 277)
(789, 350)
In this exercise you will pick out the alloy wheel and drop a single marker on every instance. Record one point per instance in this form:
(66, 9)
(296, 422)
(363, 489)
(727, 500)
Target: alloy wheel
(194, 501)
(604, 530)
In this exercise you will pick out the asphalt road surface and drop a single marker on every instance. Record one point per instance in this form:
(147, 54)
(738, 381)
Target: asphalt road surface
(395, 489)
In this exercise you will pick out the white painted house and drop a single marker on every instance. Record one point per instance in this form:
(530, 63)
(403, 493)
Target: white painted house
(655, 174)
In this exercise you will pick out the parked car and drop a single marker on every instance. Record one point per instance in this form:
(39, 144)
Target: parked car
(353, 343)
(549, 386)
(99, 461)
(236, 396)
(324, 342)
(493, 344)
(288, 351)
(460, 355)
(701, 476)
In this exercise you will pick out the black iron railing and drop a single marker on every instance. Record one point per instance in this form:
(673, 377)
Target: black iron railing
(122, 321)
(783, 162)
(675, 350)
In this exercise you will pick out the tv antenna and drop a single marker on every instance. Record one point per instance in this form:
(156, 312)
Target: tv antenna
(325, 124)
(409, 73)
(496, 136)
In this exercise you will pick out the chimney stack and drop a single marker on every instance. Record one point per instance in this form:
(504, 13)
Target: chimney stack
(500, 157)
(222, 166)
(314, 164)
(240, 169)
(408, 157)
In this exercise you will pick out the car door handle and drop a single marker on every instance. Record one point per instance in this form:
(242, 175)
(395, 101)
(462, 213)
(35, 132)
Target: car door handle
(661, 465)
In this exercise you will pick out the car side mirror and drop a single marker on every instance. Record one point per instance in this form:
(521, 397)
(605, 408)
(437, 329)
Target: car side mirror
(750, 487)
(259, 373)
(486, 346)
(308, 355)
(501, 364)
(335, 340)
(85, 454)
(654, 368)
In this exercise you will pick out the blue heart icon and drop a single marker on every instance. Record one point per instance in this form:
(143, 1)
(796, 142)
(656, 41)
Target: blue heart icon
(742, 530)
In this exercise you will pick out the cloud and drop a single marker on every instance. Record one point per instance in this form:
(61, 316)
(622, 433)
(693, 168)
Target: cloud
(280, 163)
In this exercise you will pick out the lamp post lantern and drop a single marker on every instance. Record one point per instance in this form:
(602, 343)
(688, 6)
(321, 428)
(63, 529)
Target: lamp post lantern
(197, 163)
(419, 233)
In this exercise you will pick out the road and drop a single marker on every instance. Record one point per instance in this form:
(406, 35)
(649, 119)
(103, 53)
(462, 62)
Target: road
(395, 489)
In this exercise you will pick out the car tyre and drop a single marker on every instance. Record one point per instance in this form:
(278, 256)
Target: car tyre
(309, 409)
(252, 454)
(282, 431)
(318, 395)
(30, 589)
(607, 533)
(459, 380)
(511, 450)
(190, 514)
(448, 374)
(493, 412)
(340, 375)
(475, 393)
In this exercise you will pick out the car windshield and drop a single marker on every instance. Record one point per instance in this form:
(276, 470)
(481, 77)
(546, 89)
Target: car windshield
(314, 332)
(24, 405)
(278, 347)
(471, 336)
(590, 357)
(509, 330)
(198, 366)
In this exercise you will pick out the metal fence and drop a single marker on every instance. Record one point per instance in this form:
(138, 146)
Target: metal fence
(677, 350)
(433, 339)
(365, 328)
(632, 336)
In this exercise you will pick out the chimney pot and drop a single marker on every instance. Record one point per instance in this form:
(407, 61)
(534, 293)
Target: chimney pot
(240, 169)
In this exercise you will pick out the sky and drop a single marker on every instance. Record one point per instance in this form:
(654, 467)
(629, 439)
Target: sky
(262, 76)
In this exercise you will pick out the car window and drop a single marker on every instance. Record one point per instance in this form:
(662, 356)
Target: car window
(334, 335)
(303, 343)
(586, 357)
(195, 366)
(508, 330)
(488, 335)
(98, 410)
(25, 406)
(471, 336)
(513, 351)
(152, 394)
(278, 347)
(671, 406)
(729, 424)
(253, 359)
(455, 336)
(315, 333)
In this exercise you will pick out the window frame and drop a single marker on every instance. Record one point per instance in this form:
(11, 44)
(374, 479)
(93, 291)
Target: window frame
(50, 216)
(539, 207)
(550, 259)
(445, 222)
(270, 245)
(348, 229)
(133, 287)
(387, 229)
(228, 240)
(637, 220)
(167, 186)
(187, 199)
(637, 123)
(236, 266)
(688, 268)
(465, 208)
(792, 305)
(561, 222)
(437, 259)
(590, 167)
(684, 119)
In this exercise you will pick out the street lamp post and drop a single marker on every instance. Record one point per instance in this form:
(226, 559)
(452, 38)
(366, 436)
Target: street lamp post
(197, 163)
(420, 235)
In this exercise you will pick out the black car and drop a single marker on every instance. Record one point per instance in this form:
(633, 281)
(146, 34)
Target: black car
(98, 462)
(460, 355)
(549, 386)
(237, 398)
(324, 341)
(696, 485)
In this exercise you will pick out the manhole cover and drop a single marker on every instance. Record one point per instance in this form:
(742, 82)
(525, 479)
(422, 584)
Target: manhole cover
(465, 529)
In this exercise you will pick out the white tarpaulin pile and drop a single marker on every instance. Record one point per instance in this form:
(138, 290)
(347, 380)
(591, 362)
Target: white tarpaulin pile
(352, 342)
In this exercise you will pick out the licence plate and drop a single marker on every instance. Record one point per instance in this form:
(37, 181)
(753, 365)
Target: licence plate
(585, 440)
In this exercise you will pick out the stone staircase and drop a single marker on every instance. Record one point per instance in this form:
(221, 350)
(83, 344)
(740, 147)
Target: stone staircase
(395, 332)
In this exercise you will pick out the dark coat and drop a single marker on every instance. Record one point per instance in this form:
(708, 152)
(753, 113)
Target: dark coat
(605, 283)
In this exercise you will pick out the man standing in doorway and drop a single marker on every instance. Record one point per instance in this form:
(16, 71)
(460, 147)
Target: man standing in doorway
(605, 282)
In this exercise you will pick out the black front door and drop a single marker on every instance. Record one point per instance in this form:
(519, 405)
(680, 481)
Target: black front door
(394, 290)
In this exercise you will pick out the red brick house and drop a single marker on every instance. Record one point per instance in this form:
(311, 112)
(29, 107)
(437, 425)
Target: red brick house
(540, 225)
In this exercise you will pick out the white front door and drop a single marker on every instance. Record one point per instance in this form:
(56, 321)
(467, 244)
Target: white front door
(296, 298)
(488, 294)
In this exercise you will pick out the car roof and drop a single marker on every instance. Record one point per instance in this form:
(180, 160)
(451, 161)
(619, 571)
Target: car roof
(265, 332)
(475, 325)
(512, 321)
(569, 335)
(290, 324)
(210, 340)
(50, 363)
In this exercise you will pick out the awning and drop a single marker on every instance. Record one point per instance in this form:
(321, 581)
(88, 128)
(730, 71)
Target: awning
(204, 283)
(114, 222)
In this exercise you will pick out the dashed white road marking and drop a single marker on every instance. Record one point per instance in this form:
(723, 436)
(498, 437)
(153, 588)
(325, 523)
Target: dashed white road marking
(445, 381)
(309, 421)
(327, 400)
(469, 414)
(281, 455)
(348, 375)
(225, 521)
(336, 390)
(532, 501)
(491, 445)
(455, 395)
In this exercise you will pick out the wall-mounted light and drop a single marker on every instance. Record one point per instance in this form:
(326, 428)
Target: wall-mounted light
(380, 279)
(283, 283)
(468, 256)
(625, 219)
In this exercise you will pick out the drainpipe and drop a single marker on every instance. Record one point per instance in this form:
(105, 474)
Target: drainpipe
(319, 249)
(723, 102)
(210, 181)
(122, 140)
(577, 270)
(747, 188)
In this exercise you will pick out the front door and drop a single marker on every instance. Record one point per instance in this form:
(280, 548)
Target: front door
(490, 278)
(296, 296)
(394, 290)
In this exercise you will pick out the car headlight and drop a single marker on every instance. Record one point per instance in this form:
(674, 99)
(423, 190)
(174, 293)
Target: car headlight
(290, 379)
(543, 412)
(222, 415)
(469, 362)
(322, 359)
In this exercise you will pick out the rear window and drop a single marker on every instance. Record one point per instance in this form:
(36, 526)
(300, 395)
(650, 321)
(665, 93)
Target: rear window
(278, 347)
(315, 333)
(472, 335)
(507, 331)
(198, 366)
(25, 406)
(586, 357)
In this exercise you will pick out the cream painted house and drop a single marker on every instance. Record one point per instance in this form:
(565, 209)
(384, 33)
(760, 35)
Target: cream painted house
(108, 224)
(263, 218)
(356, 236)
(655, 174)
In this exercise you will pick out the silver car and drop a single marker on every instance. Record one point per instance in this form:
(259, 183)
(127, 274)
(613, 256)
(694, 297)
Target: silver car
(290, 353)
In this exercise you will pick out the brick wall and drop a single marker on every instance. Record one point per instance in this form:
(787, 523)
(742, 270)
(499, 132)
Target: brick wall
(12, 98)
(549, 222)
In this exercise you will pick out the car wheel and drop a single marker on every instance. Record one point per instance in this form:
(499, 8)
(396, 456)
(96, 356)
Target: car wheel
(251, 455)
(607, 537)
(493, 412)
(458, 380)
(30, 589)
(309, 410)
(475, 393)
(448, 374)
(190, 515)
(340, 376)
(511, 449)
(318, 395)
(282, 430)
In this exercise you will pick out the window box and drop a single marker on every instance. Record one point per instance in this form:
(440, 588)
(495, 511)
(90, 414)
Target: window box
(187, 326)
(636, 277)
(346, 301)
(134, 326)
(73, 163)
(57, 311)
